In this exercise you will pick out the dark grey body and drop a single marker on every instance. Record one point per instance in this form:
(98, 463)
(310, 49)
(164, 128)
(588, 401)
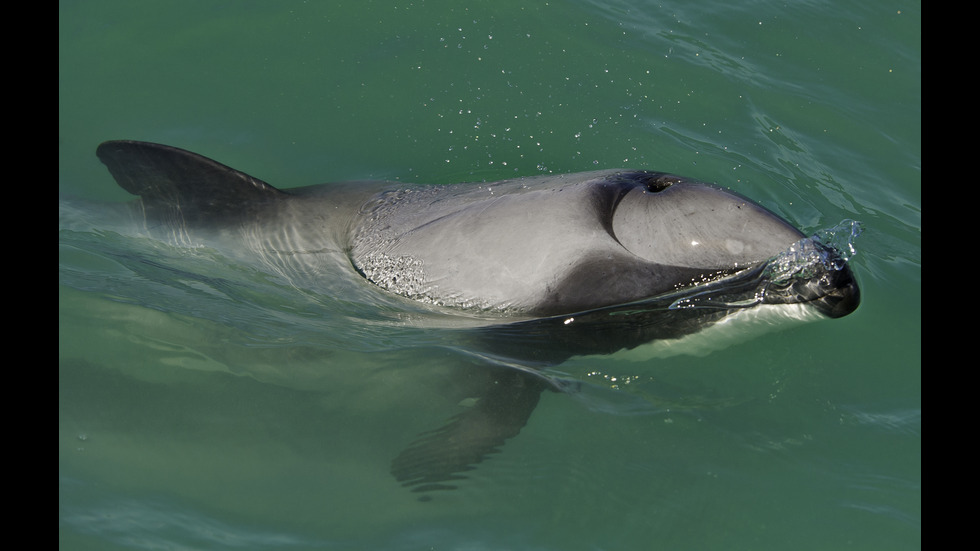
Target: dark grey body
(548, 267)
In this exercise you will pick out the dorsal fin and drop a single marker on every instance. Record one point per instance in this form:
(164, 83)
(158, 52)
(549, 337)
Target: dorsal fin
(173, 181)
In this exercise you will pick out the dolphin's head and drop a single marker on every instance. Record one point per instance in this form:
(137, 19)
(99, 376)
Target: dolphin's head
(674, 221)
(673, 235)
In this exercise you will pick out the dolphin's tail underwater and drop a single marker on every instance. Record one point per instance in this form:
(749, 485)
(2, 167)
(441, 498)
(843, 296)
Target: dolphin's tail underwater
(181, 189)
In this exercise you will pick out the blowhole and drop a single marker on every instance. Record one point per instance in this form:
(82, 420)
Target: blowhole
(659, 183)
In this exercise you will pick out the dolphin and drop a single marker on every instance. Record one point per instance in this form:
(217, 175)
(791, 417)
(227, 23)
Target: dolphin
(532, 271)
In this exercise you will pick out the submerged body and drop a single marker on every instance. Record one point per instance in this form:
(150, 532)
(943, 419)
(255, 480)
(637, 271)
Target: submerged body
(536, 269)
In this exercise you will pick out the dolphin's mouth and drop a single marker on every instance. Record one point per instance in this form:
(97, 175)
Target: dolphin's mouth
(833, 292)
(812, 271)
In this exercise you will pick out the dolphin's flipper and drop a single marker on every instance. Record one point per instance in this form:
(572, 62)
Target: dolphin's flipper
(441, 455)
(177, 185)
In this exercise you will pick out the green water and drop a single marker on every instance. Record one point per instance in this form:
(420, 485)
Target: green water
(199, 415)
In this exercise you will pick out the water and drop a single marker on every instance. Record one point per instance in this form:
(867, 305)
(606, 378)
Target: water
(209, 405)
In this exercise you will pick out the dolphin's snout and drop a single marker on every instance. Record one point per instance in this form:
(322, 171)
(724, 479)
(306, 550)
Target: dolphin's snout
(833, 292)
(841, 297)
